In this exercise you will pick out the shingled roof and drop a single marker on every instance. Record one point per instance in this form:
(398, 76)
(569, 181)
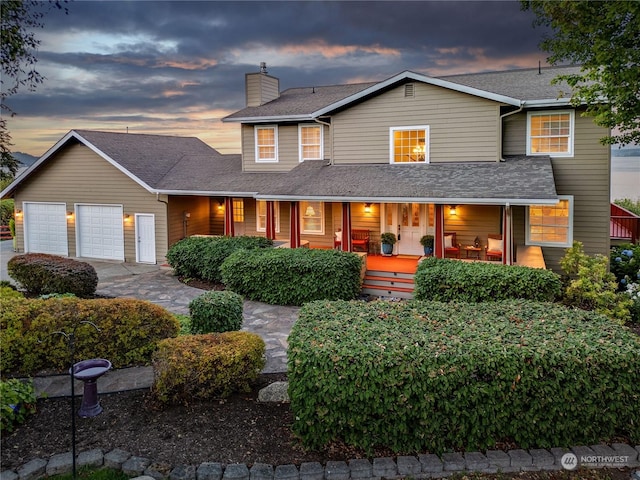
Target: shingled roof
(514, 87)
(517, 180)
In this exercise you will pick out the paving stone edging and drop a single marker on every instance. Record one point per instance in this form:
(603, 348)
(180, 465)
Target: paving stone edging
(418, 467)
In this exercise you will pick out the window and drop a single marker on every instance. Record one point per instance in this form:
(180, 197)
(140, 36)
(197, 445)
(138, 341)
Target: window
(261, 216)
(238, 210)
(409, 144)
(310, 142)
(312, 214)
(550, 133)
(551, 225)
(266, 144)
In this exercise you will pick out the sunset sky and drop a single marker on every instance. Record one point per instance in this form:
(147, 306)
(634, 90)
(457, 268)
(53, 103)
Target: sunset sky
(177, 67)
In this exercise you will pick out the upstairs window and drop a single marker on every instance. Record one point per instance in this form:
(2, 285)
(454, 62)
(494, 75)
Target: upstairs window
(310, 142)
(409, 144)
(550, 133)
(261, 216)
(266, 144)
(551, 225)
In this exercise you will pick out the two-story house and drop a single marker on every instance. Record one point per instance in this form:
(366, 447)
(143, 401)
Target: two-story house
(463, 157)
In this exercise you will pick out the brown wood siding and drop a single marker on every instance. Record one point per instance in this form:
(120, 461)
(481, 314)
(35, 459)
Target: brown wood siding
(288, 149)
(471, 221)
(216, 218)
(586, 176)
(198, 222)
(462, 127)
(78, 175)
(515, 134)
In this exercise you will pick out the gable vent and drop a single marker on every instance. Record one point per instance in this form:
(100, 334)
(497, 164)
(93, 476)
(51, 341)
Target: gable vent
(408, 90)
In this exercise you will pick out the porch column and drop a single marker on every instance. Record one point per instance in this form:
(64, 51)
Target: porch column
(228, 217)
(271, 220)
(507, 233)
(346, 226)
(438, 246)
(294, 224)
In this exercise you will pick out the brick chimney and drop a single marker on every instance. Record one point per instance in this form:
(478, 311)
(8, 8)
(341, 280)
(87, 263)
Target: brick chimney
(260, 87)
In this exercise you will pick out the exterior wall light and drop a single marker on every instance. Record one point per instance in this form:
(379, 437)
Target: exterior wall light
(452, 210)
(69, 214)
(367, 208)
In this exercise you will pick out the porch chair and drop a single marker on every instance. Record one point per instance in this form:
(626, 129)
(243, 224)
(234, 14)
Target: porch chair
(337, 240)
(493, 250)
(360, 240)
(451, 245)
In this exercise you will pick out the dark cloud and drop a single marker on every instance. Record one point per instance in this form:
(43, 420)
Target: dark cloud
(139, 60)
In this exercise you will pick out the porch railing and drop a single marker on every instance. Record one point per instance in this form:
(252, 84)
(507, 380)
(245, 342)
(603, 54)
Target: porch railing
(626, 228)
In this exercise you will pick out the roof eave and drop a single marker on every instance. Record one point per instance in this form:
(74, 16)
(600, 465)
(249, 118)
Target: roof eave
(208, 193)
(420, 78)
(272, 118)
(436, 200)
(548, 102)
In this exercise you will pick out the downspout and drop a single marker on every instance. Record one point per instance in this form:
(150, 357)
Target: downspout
(502, 117)
(317, 120)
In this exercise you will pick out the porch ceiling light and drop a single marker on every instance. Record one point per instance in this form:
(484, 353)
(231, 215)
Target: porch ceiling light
(452, 210)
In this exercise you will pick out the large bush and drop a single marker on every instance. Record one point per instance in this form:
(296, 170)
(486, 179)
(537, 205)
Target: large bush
(293, 276)
(40, 273)
(451, 280)
(201, 367)
(417, 376)
(129, 332)
(216, 312)
(591, 286)
(201, 257)
(625, 265)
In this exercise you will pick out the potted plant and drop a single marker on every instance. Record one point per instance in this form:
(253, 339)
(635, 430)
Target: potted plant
(427, 242)
(388, 240)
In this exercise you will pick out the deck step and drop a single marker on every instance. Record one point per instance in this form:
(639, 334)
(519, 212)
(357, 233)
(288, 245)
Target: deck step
(388, 284)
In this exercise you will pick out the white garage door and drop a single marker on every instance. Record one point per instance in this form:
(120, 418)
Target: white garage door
(100, 232)
(45, 228)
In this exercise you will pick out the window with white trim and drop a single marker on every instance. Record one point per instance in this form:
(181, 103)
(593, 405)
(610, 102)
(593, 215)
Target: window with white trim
(266, 144)
(312, 218)
(550, 133)
(238, 210)
(551, 225)
(310, 137)
(261, 216)
(409, 144)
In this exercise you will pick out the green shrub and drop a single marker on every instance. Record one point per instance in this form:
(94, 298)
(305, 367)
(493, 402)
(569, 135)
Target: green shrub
(6, 211)
(185, 324)
(202, 367)
(293, 276)
(216, 312)
(416, 376)
(17, 400)
(625, 265)
(201, 257)
(9, 292)
(628, 204)
(591, 286)
(129, 332)
(451, 280)
(40, 273)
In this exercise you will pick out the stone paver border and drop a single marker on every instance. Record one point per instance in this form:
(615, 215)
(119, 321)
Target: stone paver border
(420, 467)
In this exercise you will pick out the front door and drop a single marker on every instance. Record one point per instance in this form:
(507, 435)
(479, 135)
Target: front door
(145, 238)
(410, 228)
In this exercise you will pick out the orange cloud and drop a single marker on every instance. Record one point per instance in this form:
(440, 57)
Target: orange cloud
(333, 51)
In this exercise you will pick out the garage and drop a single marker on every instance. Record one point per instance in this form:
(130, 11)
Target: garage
(100, 232)
(45, 228)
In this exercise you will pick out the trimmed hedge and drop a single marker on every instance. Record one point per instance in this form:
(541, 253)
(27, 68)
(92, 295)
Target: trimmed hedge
(129, 332)
(216, 312)
(447, 280)
(201, 257)
(42, 274)
(415, 376)
(202, 367)
(293, 276)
